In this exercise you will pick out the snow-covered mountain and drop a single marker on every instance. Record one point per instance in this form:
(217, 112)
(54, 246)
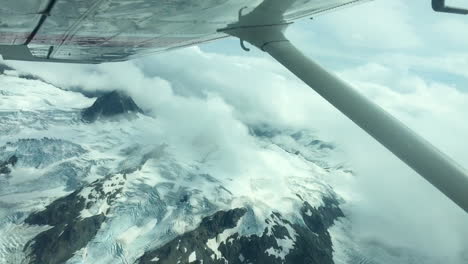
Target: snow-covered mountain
(99, 180)
(77, 191)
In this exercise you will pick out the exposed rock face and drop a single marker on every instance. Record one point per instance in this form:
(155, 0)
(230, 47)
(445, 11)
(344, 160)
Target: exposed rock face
(68, 234)
(59, 243)
(181, 247)
(71, 231)
(110, 105)
(4, 68)
(5, 165)
(281, 242)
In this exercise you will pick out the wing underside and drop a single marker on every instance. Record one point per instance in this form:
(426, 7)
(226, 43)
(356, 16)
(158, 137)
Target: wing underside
(95, 31)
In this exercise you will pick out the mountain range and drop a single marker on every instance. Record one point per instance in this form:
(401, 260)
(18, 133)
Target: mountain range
(100, 180)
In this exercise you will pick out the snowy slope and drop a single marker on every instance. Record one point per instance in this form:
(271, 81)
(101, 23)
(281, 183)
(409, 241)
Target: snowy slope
(127, 191)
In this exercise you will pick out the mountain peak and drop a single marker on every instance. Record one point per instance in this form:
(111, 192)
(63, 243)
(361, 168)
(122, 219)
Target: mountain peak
(110, 105)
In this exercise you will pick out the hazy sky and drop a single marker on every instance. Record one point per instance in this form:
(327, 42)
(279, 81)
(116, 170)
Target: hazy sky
(408, 59)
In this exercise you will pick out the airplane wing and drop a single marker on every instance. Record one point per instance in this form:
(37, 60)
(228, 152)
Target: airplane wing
(96, 31)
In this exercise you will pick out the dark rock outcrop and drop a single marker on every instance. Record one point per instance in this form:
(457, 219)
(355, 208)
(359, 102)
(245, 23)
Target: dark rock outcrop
(5, 165)
(59, 243)
(111, 105)
(62, 210)
(4, 68)
(70, 232)
(181, 247)
(311, 242)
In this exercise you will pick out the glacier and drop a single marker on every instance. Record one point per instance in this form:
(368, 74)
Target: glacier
(113, 189)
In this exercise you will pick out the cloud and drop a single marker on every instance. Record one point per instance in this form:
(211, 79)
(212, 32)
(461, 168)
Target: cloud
(412, 206)
(378, 25)
(457, 3)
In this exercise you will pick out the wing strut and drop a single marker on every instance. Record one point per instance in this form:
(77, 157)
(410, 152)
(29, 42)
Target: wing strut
(419, 154)
(440, 6)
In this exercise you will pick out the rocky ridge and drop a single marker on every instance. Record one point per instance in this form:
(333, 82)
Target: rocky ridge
(111, 105)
